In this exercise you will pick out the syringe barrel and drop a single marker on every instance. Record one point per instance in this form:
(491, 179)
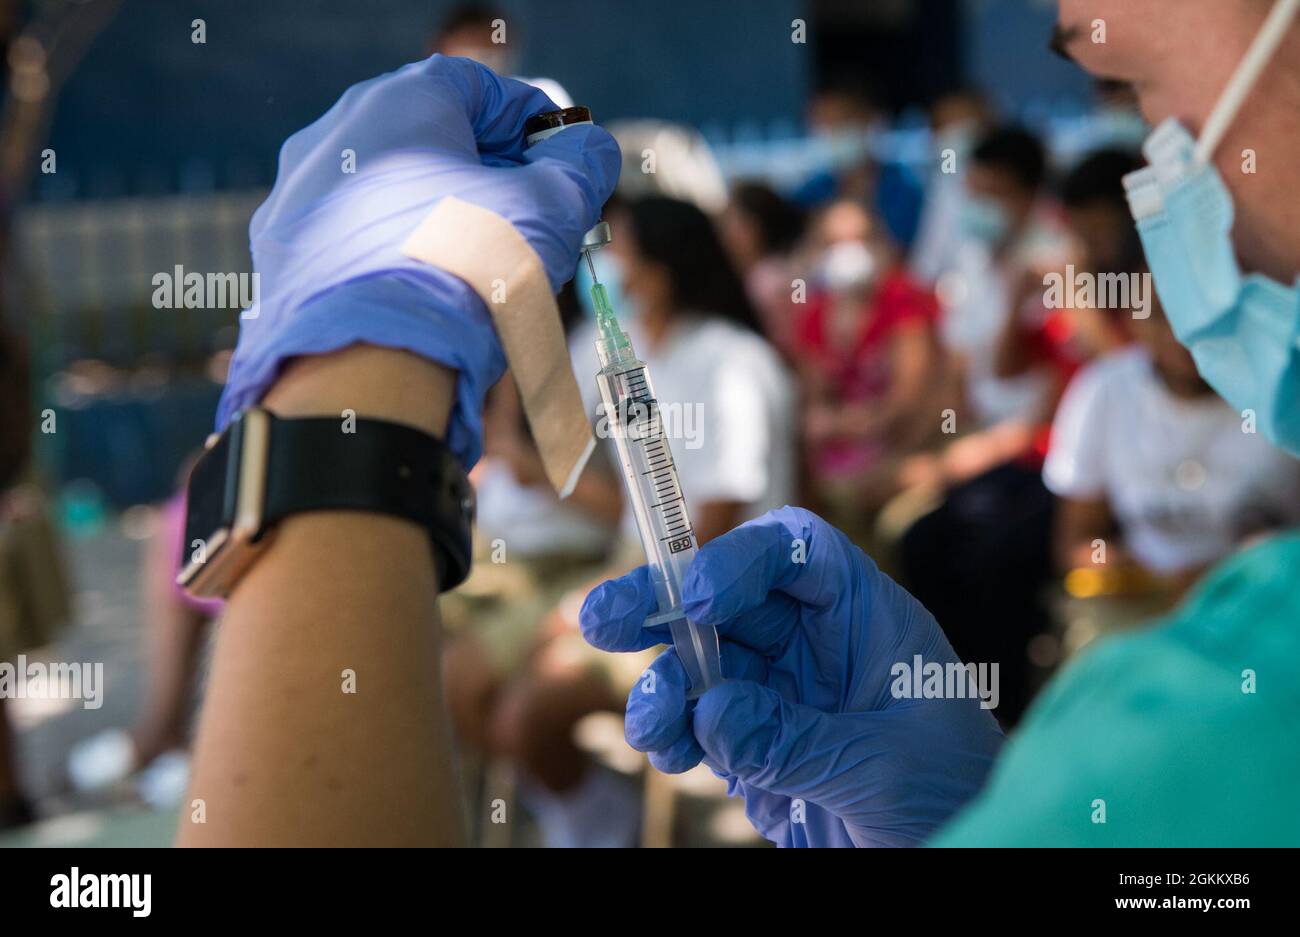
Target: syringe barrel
(633, 418)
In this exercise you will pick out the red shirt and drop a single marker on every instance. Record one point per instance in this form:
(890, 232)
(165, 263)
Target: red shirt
(859, 369)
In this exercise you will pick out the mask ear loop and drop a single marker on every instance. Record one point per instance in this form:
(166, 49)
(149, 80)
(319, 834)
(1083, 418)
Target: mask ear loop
(1243, 79)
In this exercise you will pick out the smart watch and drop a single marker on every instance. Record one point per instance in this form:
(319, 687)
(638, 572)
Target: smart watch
(264, 468)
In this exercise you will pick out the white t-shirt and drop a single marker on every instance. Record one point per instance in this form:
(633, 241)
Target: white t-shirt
(728, 406)
(535, 522)
(1183, 481)
(938, 235)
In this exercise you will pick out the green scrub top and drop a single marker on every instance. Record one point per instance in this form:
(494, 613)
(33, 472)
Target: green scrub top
(1183, 734)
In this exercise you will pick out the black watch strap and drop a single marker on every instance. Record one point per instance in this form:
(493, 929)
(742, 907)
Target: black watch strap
(329, 463)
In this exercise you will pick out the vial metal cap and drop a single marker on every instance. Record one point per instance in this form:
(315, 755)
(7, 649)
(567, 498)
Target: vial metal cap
(540, 126)
(597, 237)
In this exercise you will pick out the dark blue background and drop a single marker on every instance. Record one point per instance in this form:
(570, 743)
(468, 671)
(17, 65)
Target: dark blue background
(149, 111)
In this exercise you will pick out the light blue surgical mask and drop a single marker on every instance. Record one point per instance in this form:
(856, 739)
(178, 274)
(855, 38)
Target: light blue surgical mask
(984, 219)
(1243, 330)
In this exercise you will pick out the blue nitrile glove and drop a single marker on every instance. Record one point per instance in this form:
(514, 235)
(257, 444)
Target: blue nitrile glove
(326, 242)
(806, 728)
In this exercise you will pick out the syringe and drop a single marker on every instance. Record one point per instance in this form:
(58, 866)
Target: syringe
(633, 416)
(635, 421)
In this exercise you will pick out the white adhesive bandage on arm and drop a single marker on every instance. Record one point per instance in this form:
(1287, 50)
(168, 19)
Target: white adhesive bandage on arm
(484, 249)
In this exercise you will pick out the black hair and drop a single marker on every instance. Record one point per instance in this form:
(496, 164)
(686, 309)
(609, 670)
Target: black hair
(859, 88)
(1014, 150)
(467, 16)
(969, 95)
(780, 222)
(683, 239)
(1099, 177)
(1099, 180)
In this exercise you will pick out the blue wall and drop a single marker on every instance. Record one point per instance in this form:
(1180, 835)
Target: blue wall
(149, 110)
(1008, 57)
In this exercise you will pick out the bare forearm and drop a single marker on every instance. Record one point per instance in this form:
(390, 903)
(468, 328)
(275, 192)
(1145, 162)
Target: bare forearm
(323, 722)
(597, 494)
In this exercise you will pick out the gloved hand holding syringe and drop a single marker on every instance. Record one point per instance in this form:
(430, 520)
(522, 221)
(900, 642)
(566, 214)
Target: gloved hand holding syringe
(645, 457)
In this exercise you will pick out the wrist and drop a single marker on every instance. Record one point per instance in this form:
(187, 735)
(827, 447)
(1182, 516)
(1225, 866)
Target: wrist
(343, 436)
(433, 317)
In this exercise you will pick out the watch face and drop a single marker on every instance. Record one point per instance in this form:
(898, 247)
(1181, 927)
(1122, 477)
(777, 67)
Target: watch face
(209, 507)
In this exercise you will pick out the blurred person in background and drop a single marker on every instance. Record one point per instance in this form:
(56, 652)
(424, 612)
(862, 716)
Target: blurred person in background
(466, 30)
(958, 120)
(867, 359)
(729, 406)
(1057, 338)
(844, 107)
(1157, 479)
(481, 32)
(760, 230)
(846, 119)
(843, 116)
(1117, 118)
(1006, 230)
(1096, 212)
